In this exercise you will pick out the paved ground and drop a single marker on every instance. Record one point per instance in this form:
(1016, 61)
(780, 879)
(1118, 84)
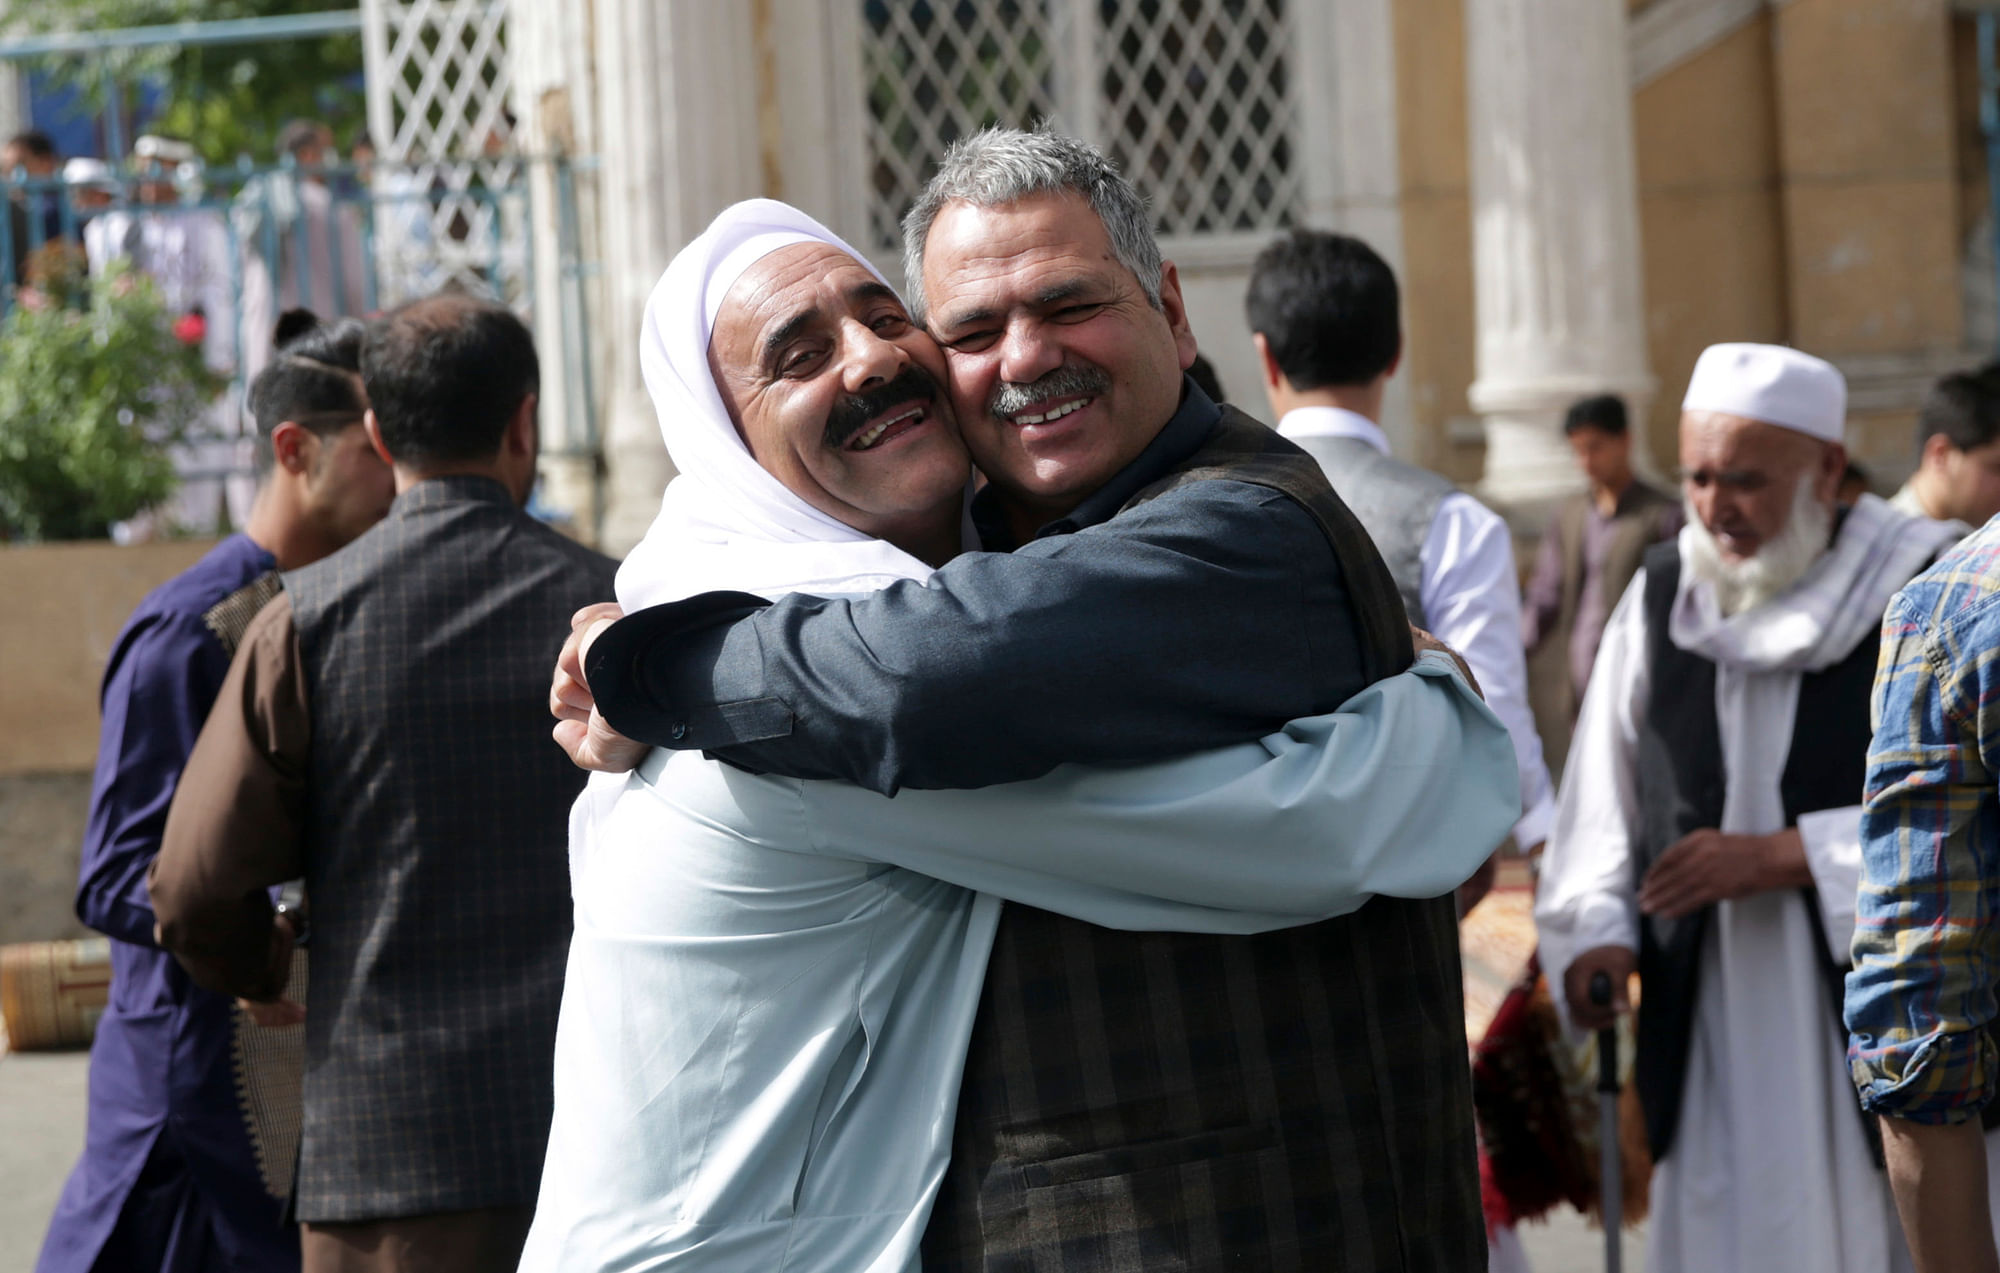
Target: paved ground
(1567, 1245)
(41, 1130)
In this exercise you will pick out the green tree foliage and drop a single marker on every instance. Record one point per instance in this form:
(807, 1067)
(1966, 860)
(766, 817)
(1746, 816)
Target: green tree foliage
(228, 100)
(91, 401)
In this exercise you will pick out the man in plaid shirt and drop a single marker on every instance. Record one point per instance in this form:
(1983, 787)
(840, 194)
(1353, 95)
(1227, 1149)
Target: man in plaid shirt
(1920, 1001)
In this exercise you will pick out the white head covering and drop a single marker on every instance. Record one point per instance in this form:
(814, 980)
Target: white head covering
(726, 523)
(85, 171)
(1771, 383)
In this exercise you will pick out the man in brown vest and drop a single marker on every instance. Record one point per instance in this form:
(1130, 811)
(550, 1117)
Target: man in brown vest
(1588, 556)
(1162, 574)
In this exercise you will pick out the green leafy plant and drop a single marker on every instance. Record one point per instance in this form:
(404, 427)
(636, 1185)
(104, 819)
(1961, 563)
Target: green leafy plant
(226, 99)
(92, 401)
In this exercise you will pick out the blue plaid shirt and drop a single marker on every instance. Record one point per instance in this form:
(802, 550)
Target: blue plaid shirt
(1926, 945)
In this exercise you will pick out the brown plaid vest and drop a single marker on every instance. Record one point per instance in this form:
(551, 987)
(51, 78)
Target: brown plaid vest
(1298, 1100)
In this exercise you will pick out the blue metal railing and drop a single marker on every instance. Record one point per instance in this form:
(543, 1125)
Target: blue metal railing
(357, 243)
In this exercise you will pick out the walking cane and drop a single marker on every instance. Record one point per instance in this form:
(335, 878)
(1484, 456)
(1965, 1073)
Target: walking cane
(1610, 1175)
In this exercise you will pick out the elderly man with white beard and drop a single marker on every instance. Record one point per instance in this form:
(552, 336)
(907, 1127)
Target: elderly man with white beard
(1708, 828)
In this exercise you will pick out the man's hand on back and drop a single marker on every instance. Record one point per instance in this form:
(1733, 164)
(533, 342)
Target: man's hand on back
(1425, 641)
(580, 731)
(1475, 889)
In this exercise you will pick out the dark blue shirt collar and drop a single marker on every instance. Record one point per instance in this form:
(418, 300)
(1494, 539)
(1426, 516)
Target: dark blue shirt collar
(1183, 435)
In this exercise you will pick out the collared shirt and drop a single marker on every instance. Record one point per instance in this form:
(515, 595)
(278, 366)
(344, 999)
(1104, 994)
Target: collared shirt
(1927, 935)
(1473, 601)
(1906, 500)
(1204, 617)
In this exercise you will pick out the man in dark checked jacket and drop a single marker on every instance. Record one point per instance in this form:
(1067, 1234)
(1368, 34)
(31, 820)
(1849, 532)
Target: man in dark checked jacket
(381, 733)
(1133, 1101)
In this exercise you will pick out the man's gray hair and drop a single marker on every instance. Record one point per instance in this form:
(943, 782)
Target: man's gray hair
(998, 166)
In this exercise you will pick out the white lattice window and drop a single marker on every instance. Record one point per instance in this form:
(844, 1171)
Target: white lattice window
(449, 208)
(1192, 99)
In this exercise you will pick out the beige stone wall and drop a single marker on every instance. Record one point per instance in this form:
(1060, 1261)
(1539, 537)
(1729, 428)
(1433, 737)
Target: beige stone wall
(1438, 320)
(1710, 216)
(41, 836)
(1866, 145)
(65, 604)
(1810, 179)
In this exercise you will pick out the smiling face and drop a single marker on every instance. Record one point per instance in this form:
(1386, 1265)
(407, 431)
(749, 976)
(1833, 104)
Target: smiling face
(837, 394)
(1741, 477)
(1061, 369)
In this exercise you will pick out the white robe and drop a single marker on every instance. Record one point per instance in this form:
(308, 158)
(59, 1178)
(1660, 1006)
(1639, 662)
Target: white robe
(1769, 1168)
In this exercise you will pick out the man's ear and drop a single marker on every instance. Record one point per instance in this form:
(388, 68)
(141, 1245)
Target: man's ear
(1175, 309)
(374, 428)
(1937, 452)
(1397, 361)
(293, 447)
(1267, 362)
(524, 430)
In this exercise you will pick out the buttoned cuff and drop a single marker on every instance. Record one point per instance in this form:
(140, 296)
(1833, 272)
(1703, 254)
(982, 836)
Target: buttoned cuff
(667, 675)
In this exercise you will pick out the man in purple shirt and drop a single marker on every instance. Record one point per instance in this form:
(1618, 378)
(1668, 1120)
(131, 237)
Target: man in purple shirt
(169, 1179)
(1588, 556)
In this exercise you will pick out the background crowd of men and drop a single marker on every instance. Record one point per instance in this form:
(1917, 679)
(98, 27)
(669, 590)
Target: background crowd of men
(223, 270)
(1781, 838)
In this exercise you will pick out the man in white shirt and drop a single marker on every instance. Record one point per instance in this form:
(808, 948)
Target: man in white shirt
(1708, 831)
(1324, 310)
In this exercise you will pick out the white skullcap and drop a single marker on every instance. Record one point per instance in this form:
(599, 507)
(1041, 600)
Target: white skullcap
(85, 171)
(1771, 383)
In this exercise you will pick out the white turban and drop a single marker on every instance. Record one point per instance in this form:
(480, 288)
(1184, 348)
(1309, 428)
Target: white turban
(726, 523)
(1773, 384)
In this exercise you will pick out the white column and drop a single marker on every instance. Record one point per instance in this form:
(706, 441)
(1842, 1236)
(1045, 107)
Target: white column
(13, 86)
(677, 122)
(554, 92)
(1555, 213)
(1344, 73)
(13, 98)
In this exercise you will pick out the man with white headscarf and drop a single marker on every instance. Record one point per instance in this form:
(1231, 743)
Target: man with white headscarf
(772, 982)
(1708, 826)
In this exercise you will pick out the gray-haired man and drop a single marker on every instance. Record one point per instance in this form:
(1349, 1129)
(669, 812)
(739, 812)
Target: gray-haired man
(1162, 575)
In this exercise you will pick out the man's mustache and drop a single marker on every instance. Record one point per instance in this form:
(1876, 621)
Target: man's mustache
(855, 410)
(1069, 380)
